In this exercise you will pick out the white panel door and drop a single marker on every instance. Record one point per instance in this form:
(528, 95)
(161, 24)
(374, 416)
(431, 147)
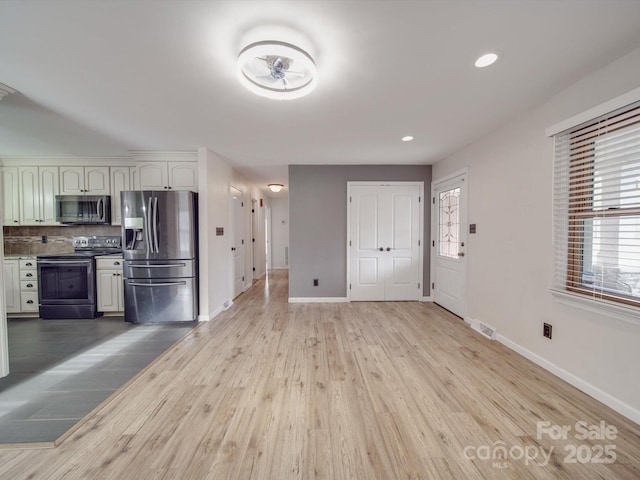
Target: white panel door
(403, 280)
(449, 229)
(385, 241)
(367, 252)
(237, 247)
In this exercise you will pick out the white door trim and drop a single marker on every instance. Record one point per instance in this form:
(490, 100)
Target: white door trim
(420, 185)
(435, 184)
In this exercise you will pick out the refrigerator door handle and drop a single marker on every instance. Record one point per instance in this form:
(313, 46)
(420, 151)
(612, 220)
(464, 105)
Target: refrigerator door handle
(147, 226)
(155, 224)
(166, 284)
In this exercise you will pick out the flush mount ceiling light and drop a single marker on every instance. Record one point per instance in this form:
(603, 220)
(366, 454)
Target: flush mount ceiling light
(486, 60)
(407, 138)
(275, 187)
(276, 70)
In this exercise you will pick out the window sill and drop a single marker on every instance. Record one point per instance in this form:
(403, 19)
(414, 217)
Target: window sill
(609, 309)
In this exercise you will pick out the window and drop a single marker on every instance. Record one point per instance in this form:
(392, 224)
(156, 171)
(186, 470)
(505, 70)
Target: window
(597, 207)
(449, 223)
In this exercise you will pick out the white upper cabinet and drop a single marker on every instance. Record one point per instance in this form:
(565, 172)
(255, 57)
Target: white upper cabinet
(120, 181)
(152, 176)
(167, 176)
(84, 181)
(38, 187)
(183, 175)
(11, 196)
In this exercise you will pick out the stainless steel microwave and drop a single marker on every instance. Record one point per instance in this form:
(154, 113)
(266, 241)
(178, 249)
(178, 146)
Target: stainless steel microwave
(83, 209)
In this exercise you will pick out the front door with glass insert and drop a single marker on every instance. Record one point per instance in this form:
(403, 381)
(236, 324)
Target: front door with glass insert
(449, 230)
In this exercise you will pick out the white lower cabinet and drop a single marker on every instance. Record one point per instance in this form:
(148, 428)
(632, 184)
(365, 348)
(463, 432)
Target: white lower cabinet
(29, 285)
(109, 284)
(21, 285)
(12, 285)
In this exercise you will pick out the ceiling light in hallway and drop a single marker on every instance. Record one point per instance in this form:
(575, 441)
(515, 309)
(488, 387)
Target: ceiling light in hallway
(486, 60)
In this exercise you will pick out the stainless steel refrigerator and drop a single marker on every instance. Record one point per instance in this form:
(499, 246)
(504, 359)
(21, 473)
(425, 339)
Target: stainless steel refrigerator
(160, 248)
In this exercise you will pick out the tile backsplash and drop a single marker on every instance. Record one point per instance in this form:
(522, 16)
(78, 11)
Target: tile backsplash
(28, 240)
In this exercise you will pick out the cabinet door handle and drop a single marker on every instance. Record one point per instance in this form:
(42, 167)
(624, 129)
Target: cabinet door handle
(29, 264)
(29, 275)
(29, 285)
(29, 302)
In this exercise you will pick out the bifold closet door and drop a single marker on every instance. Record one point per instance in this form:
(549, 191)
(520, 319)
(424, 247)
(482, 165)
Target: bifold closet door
(384, 242)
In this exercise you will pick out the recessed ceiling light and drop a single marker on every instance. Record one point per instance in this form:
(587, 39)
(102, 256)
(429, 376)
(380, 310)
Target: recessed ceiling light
(277, 70)
(486, 60)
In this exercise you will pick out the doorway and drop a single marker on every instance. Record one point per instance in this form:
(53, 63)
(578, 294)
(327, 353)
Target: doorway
(449, 261)
(385, 238)
(237, 240)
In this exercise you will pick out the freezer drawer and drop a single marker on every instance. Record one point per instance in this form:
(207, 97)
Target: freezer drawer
(160, 300)
(159, 268)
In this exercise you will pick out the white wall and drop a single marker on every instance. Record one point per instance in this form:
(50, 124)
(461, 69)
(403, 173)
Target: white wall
(510, 259)
(215, 258)
(279, 231)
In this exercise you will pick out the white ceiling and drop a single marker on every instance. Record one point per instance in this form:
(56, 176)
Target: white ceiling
(103, 77)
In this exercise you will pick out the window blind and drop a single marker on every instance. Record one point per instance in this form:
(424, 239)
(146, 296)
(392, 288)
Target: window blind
(597, 207)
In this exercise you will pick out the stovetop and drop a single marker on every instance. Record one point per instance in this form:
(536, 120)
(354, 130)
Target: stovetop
(89, 247)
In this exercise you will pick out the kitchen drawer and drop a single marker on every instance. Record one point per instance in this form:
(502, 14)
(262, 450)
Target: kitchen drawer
(28, 264)
(29, 301)
(28, 286)
(28, 274)
(109, 263)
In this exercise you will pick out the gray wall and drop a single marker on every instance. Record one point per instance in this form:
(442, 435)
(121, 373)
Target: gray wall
(318, 223)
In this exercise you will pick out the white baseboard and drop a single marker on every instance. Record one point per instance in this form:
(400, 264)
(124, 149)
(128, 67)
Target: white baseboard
(609, 400)
(318, 299)
(427, 299)
(216, 312)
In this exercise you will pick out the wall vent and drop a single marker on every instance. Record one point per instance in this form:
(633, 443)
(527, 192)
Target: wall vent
(484, 329)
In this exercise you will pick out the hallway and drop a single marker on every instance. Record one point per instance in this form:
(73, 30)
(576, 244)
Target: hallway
(271, 390)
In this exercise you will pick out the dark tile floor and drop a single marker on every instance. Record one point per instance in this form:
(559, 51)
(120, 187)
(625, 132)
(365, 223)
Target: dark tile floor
(63, 369)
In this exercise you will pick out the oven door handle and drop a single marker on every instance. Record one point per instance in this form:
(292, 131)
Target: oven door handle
(159, 266)
(167, 284)
(64, 262)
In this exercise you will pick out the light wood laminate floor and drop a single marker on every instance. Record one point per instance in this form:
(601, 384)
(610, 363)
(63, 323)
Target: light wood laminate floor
(396, 390)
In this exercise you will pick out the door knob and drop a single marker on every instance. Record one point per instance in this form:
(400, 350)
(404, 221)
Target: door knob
(461, 254)
(381, 249)
(388, 249)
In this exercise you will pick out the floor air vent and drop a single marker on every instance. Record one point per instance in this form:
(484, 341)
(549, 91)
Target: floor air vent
(484, 329)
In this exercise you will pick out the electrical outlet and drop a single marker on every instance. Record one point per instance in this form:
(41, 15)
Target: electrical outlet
(547, 330)
(315, 282)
